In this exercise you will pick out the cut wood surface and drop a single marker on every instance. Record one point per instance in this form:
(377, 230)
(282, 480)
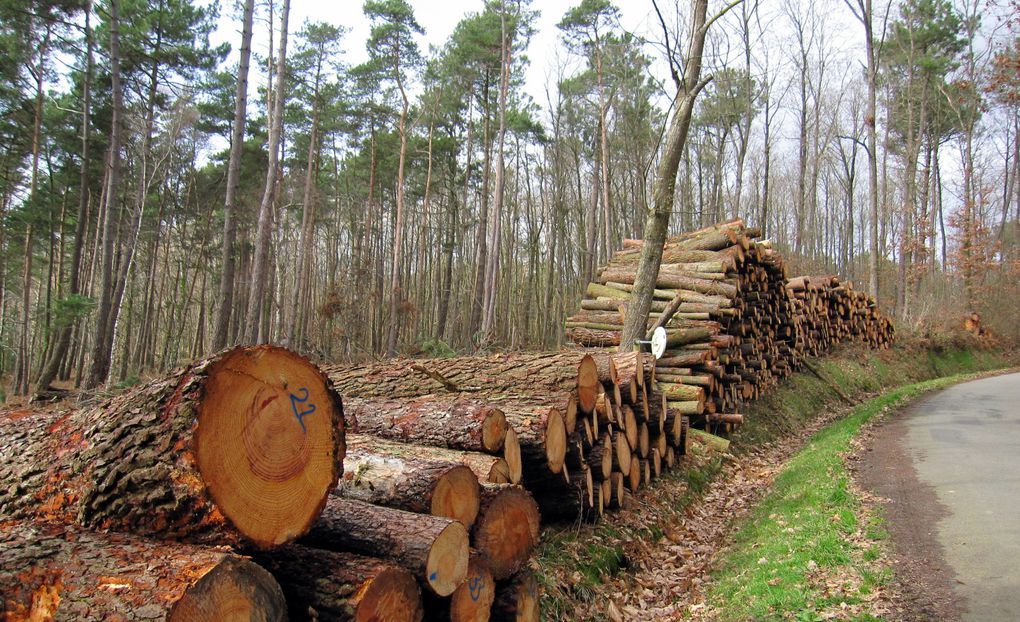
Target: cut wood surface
(331, 585)
(471, 601)
(241, 448)
(507, 529)
(62, 572)
(435, 420)
(433, 548)
(409, 477)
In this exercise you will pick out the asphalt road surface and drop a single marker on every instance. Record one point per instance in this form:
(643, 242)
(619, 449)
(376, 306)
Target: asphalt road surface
(956, 512)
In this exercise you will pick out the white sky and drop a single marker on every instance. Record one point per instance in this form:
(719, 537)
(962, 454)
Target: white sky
(438, 19)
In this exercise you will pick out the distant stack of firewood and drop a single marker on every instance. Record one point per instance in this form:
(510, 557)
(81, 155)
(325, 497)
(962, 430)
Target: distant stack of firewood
(734, 326)
(830, 311)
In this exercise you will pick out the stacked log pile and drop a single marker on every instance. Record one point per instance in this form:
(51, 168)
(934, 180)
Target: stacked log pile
(735, 323)
(232, 486)
(240, 482)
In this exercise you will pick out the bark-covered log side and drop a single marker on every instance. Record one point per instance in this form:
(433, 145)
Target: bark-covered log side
(433, 548)
(469, 376)
(241, 448)
(435, 420)
(507, 530)
(51, 571)
(409, 477)
(332, 585)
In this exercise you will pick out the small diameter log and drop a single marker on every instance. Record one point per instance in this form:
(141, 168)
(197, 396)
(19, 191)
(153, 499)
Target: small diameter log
(517, 600)
(621, 452)
(618, 494)
(471, 601)
(434, 420)
(635, 478)
(512, 456)
(434, 549)
(600, 457)
(541, 435)
(241, 449)
(507, 530)
(333, 585)
(409, 477)
(50, 571)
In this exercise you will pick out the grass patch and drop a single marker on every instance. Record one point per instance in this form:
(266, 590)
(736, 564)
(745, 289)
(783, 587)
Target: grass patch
(793, 558)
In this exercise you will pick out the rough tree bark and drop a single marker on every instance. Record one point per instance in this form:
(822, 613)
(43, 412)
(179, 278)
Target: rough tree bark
(56, 572)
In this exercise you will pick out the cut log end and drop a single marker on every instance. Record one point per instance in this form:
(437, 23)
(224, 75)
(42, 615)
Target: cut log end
(507, 529)
(555, 440)
(512, 455)
(269, 443)
(456, 495)
(447, 563)
(587, 383)
(235, 590)
(494, 429)
(472, 601)
(392, 595)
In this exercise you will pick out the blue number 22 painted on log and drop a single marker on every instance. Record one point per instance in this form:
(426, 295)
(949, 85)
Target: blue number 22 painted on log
(301, 414)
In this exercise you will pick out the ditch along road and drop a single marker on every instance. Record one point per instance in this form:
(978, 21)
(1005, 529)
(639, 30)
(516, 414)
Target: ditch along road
(948, 470)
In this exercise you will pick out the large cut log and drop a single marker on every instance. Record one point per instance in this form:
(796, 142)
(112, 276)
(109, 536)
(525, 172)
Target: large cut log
(62, 572)
(435, 420)
(517, 600)
(331, 585)
(409, 477)
(241, 448)
(473, 376)
(507, 529)
(471, 601)
(433, 548)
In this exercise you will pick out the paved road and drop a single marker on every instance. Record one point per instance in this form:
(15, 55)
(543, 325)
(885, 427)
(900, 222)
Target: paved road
(964, 443)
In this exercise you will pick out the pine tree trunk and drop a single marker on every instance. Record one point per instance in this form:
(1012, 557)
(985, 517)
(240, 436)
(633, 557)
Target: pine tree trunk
(225, 304)
(435, 421)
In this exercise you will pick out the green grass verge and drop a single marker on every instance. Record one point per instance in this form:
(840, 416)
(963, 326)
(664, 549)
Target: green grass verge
(794, 557)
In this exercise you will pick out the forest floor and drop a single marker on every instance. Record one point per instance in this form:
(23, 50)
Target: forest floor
(774, 529)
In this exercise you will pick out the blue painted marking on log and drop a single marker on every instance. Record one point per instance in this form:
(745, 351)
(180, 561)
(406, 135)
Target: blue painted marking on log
(433, 576)
(301, 414)
(476, 584)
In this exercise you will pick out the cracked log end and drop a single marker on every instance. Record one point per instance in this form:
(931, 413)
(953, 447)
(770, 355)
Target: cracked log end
(269, 442)
(507, 529)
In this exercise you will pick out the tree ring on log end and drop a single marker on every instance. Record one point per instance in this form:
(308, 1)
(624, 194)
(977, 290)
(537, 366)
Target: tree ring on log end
(447, 563)
(508, 531)
(555, 440)
(512, 455)
(587, 383)
(456, 495)
(494, 430)
(269, 443)
(235, 590)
